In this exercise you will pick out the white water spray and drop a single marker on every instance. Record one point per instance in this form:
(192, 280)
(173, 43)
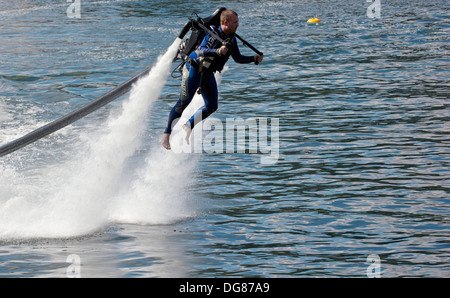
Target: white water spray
(3, 112)
(85, 194)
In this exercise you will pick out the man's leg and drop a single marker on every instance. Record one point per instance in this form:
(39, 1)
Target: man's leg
(210, 97)
(189, 85)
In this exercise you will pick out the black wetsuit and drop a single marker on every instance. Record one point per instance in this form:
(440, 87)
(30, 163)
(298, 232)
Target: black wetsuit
(199, 72)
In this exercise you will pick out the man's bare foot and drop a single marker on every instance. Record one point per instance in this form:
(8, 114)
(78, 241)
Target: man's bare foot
(187, 130)
(166, 141)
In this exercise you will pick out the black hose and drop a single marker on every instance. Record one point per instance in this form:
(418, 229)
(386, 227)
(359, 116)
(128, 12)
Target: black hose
(71, 117)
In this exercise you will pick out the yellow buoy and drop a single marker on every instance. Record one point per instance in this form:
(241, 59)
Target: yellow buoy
(313, 20)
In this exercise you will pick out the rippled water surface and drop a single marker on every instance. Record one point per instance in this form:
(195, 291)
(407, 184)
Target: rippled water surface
(362, 166)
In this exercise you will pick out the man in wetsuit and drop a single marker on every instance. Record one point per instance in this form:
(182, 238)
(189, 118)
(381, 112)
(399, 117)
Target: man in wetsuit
(198, 72)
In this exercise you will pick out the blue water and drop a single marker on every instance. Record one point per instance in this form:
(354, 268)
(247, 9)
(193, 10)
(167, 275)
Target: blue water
(364, 147)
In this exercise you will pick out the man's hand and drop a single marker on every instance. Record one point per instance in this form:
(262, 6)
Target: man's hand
(259, 58)
(223, 50)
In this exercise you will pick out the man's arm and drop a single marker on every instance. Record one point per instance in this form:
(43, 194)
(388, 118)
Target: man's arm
(205, 51)
(239, 58)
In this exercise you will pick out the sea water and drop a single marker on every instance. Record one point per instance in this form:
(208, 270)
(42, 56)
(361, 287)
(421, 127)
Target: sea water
(360, 182)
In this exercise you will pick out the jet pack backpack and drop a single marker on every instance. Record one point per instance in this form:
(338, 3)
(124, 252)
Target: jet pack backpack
(197, 34)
